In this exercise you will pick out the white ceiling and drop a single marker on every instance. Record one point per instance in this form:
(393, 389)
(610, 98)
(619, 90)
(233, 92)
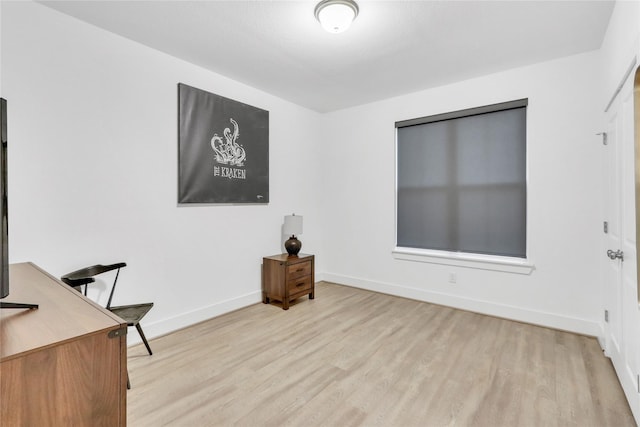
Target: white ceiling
(393, 47)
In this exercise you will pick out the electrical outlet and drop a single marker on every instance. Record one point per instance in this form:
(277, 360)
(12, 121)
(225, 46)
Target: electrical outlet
(453, 278)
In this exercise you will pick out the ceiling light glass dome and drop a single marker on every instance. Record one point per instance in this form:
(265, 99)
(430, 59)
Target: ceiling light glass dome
(336, 16)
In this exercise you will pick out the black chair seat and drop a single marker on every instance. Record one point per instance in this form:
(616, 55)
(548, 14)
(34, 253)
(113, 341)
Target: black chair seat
(132, 313)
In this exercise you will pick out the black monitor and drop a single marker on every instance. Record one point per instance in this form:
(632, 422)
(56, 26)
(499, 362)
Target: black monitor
(4, 256)
(4, 236)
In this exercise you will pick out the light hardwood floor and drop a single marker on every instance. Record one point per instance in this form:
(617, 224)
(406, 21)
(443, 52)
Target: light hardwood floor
(357, 358)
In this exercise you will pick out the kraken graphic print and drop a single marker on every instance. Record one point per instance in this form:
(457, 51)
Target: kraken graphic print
(223, 149)
(228, 151)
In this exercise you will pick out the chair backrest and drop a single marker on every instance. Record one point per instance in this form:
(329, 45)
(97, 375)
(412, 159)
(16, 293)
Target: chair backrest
(76, 283)
(84, 276)
(113, 287)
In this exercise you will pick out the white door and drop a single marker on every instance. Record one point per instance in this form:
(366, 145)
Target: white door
(622, 330)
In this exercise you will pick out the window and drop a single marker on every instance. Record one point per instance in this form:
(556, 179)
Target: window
(461, 181)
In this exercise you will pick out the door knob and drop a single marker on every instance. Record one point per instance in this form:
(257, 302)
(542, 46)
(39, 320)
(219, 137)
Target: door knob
(617, 254)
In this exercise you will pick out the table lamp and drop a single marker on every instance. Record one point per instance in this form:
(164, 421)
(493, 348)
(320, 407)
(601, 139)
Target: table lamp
(292, 226)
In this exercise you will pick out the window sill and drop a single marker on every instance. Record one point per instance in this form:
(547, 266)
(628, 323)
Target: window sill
(482, 262)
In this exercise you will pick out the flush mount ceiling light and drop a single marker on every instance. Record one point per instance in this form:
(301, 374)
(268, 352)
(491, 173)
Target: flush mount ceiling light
(336, 16)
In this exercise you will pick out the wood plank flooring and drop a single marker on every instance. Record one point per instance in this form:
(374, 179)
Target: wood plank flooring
(357, 358)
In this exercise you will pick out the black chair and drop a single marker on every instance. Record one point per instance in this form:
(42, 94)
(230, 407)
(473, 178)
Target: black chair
(132, 314)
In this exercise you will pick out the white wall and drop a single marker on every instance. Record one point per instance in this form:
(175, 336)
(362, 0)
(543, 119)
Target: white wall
(563, 198)
(93, 170)
(619, 47)
(93, 177)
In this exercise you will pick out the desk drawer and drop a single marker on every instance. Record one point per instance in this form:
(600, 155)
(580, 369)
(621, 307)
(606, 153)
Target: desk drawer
(298, 270)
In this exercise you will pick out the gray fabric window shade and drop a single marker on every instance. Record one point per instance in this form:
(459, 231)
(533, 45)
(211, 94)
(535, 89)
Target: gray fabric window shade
(461, 181)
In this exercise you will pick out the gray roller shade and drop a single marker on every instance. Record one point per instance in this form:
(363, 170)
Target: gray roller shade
(461, 181)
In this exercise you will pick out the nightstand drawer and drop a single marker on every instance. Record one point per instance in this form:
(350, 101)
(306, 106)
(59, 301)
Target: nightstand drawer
(298, 270)
(299, 285)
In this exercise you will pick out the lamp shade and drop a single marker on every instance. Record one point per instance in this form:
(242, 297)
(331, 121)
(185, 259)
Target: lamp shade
(336, 16)
(292, 225)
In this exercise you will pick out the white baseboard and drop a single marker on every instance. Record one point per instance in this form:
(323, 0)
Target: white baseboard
(602, 340)
(550, 320)
(172, 324)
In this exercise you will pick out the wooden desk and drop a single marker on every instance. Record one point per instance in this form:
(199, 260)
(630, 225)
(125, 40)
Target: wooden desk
(64, 363)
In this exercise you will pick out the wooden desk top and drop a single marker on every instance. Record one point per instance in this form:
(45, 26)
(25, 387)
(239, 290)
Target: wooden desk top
(63, 315)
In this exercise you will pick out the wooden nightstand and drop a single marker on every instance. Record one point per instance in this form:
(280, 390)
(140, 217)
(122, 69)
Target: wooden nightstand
(285, 278)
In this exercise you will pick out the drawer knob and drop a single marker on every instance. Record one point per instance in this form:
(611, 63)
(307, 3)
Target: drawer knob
(300, 284)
